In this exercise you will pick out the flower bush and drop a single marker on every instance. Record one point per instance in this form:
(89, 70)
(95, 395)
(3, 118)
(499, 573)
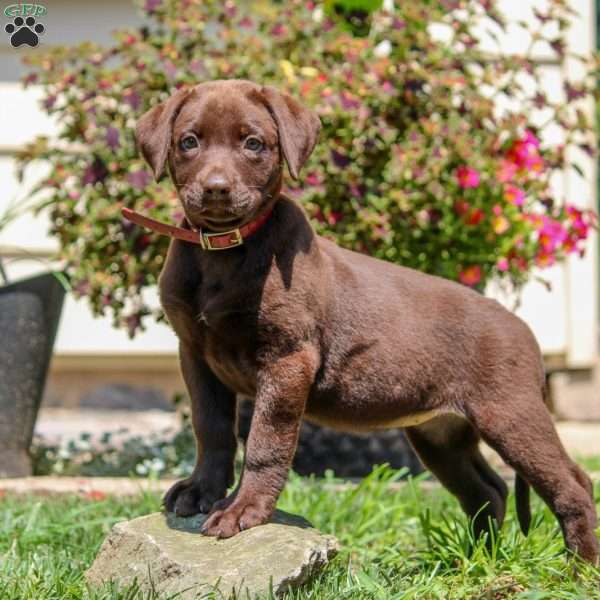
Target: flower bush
(418, 162)
(121, 454)
(165, 454)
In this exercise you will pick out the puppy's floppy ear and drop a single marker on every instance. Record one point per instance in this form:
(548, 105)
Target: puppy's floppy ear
(153, 131)
(298, 127)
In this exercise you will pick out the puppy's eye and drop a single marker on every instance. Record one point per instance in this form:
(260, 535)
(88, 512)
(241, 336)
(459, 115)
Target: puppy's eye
(189, 142)
(253, 144)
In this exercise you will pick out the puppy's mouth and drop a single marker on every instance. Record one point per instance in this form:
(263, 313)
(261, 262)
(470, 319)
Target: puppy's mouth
(220, 223)
(222, 216)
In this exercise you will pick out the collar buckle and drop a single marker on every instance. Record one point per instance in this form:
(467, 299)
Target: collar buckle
(234, 238)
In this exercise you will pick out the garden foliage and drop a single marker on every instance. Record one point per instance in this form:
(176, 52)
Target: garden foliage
(430, 155)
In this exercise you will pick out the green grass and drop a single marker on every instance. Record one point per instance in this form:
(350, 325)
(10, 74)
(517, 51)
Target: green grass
(411, 543)
(590, 463)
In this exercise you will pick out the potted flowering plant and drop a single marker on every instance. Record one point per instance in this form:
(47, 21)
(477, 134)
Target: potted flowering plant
(417, 164)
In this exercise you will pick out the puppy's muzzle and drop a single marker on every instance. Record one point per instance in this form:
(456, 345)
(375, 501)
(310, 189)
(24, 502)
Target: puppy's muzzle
(216, 190)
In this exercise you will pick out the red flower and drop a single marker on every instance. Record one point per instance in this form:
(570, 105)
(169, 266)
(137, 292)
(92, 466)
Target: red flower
(578, 226)
(95, 495)
(545, 259)
(475, 217)
(471, 275)
(467, 177)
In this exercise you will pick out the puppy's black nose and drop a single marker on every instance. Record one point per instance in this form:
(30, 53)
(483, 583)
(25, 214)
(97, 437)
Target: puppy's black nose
(216, 187)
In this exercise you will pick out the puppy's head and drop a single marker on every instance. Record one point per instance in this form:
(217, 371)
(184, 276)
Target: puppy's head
(224, 142)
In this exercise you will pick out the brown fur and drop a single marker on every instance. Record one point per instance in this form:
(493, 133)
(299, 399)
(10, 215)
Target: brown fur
(312, 330)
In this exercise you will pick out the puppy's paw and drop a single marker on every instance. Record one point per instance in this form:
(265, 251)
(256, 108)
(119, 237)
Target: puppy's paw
(225, 503)
(238, 516)
(191, 496)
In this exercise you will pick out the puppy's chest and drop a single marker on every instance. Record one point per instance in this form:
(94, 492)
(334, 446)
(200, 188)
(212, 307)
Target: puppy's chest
(229, 325)
(224, 314)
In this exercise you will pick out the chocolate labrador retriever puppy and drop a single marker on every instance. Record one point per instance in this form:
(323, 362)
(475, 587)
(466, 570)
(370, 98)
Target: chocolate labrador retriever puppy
(311, 330)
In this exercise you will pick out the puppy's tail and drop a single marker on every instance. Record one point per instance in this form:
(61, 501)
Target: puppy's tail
(522, 487)
(522, 502)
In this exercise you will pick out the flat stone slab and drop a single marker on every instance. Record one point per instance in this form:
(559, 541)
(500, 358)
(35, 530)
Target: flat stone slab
(169, 554)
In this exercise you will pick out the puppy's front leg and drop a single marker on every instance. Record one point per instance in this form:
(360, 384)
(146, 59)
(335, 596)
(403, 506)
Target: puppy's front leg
(282, 390)
(213, 420)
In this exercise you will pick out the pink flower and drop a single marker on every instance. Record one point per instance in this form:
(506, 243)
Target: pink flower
(502, 264)
(520, 152)
(524, 153)
(535, 163)
(530, 139)
(387, 87)
(578, 226)
(506, 171)
(278, 29)
(334, 217)
(312, 178)
(467, 177)
(551, 234)
(514, 195)
(471, 275)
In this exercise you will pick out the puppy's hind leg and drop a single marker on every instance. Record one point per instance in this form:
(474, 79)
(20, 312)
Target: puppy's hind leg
(522, 432)
(449, 447)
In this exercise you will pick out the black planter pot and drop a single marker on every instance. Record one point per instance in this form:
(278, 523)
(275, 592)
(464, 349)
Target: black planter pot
(29, 315)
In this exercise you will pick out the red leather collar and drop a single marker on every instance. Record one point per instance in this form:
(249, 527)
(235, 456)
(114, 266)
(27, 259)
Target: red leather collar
(221, 240)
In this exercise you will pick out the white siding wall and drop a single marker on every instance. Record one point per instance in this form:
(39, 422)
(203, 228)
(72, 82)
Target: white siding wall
(20, 120)
(564, 320)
